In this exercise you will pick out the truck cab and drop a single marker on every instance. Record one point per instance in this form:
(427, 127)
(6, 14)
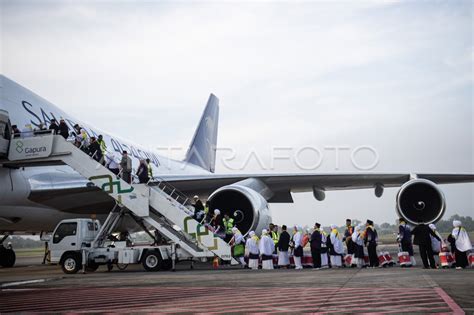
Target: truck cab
(69, 238)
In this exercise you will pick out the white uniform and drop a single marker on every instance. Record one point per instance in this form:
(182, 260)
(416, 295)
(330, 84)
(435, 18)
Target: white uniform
(239, 239)
(111, 161)
(336, 260)
(359, 241)
(266, 247)
(251, 246)
(324, 256)
(298, 240)
(463, 243)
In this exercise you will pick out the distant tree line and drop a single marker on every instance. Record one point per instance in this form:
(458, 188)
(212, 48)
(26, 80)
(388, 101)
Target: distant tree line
(23, 242)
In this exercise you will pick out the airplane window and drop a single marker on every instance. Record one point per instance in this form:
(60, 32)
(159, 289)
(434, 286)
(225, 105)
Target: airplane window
(65, 229)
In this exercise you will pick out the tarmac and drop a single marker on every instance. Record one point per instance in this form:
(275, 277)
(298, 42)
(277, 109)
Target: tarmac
(35, 288)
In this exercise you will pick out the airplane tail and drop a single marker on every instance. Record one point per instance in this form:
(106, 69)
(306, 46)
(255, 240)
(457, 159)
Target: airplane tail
(202, 150)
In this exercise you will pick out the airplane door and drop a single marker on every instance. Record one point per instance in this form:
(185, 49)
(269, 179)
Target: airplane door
(65, 238)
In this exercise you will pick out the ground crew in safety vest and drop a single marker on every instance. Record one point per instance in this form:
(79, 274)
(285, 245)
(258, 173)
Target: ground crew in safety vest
(274, 235)
(103, 147)
(228, 225)
(149, 169)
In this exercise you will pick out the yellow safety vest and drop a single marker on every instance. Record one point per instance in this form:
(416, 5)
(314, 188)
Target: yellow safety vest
(150, 171)
(275, 237)
(228, 225)
(103, 146)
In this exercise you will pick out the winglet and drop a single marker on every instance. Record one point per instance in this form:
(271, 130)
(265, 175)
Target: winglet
(202, 150)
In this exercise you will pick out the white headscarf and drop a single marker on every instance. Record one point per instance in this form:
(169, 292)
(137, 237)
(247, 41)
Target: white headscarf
(238, 237)
(333, 226)
(217, 211)
(432, 226)
(264, 232)
(251, 233)
(463, 243)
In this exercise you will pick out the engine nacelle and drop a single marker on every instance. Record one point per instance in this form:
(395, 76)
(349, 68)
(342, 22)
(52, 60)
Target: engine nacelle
(247, 207)
(420, 201)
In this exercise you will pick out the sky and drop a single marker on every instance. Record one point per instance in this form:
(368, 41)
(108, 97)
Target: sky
(394, 78)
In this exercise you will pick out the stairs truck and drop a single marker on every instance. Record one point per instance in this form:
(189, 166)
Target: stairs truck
(157, 207)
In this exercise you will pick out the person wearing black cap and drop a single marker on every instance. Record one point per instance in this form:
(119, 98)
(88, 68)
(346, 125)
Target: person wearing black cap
(370, 241)
(316, 242)
(404, 238)
(54, 126)
(348, 237)
(63, 129)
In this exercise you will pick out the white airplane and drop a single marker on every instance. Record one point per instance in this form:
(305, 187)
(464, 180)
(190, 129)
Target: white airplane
(35, 199)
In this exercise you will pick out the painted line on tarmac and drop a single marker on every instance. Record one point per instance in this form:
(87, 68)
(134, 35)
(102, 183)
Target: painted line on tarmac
(18, 283)
(453, 305)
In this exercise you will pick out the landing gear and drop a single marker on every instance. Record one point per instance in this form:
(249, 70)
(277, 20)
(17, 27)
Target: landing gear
(7, 254)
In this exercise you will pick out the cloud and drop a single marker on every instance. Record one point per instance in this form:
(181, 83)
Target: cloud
(393, 75)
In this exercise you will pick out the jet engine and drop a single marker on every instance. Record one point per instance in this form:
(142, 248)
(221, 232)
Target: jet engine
(420, 201)
(245, 205)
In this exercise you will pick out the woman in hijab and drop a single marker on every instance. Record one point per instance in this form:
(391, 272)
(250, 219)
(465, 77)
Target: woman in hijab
(336, 249)
(217, 224)
(251, 248)
(266, 247)
(358, 240)
(238, 245)
(298, 245)
(463, 244)
(435, 243)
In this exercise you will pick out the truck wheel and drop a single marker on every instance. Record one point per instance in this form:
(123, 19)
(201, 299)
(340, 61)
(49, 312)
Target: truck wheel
(152, 261)
(71, 263)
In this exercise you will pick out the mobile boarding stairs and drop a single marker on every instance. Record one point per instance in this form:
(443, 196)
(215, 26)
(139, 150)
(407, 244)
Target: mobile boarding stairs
(156, 204)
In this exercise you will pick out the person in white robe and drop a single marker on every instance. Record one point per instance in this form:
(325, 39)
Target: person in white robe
(358, 240)
(463, 244)
(324, 250)
(337, 247)
(298, 244)
(238, 245)
(266, 247)
(252, 251)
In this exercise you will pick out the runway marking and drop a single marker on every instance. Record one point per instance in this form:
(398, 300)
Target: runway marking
(18, 283)
(218, 300)
(453, 305)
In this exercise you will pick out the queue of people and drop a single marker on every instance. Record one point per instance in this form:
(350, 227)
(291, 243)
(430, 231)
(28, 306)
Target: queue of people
(331, 249)
(93, 146)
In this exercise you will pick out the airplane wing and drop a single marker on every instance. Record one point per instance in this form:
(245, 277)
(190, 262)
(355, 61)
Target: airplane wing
(283, 184)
